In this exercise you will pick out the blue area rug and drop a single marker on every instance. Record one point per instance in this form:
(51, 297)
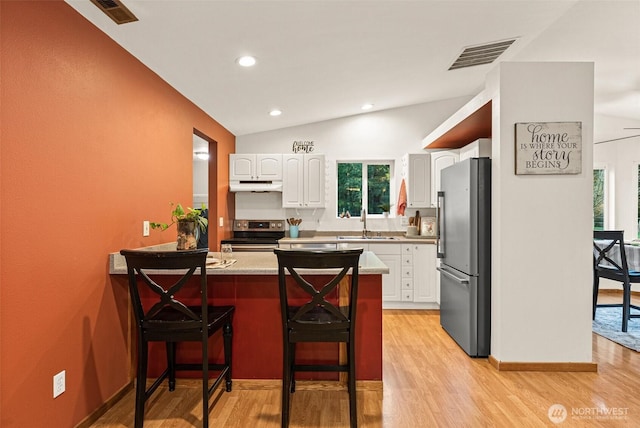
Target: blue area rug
(608, 323)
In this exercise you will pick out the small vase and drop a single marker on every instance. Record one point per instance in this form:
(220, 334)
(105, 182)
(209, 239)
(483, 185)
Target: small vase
(187, 235)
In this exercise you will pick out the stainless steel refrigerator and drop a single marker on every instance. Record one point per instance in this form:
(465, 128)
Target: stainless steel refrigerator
(464, 247)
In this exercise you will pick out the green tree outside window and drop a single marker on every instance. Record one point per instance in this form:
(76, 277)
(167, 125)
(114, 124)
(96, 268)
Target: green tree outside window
(598, 199)
(362, 184)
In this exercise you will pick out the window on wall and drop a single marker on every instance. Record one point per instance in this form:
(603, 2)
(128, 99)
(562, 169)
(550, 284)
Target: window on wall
(638, 209)
(363, 184)
(599, 189)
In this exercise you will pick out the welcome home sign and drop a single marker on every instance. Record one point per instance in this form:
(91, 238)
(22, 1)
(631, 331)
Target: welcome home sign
(548, 148)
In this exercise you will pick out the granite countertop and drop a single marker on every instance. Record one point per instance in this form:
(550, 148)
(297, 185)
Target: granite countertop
(250, 263)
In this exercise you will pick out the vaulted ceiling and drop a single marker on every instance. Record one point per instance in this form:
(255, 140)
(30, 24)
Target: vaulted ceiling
(320, 60)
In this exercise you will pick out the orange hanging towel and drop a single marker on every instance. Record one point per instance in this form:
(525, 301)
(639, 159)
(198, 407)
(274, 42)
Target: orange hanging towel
(402, 198)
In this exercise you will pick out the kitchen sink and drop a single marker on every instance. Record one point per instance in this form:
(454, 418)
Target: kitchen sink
(375, 238)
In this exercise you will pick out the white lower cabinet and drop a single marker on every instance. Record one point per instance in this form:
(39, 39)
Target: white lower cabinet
(424, 273)
(411, 282)
(390, 255)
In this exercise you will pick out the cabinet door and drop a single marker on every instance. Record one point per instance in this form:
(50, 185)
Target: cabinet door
(391, 283)
(269, 167)
(439, 161)
(314, 189)
(418, 190)
(424, 273)
(242, 167)
(303, 181)
(479, 148)
(292, 181)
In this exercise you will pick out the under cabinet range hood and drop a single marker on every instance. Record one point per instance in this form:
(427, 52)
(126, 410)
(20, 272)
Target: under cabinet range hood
(255, 186)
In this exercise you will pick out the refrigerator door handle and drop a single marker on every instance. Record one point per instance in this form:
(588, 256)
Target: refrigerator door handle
(440, 225)
(452, 276)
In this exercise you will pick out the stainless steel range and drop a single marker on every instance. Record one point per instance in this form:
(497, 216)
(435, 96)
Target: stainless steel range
(255, 235)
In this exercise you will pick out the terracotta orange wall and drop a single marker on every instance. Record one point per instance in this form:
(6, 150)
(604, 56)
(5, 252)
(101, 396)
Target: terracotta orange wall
(92, 144)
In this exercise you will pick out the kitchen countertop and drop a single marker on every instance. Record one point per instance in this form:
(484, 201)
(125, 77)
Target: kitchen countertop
(333, 239)
(250, 263)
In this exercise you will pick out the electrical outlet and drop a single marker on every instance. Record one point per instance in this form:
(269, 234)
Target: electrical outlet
(59, 383)
(145, 228)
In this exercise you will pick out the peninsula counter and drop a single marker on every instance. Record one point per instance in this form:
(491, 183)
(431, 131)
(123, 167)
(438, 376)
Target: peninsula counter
(251, 285)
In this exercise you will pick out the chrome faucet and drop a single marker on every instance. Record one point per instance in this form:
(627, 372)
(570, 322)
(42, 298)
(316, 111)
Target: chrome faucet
(363, 218)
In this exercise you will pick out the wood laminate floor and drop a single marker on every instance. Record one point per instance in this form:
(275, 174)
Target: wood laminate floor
(428, 382)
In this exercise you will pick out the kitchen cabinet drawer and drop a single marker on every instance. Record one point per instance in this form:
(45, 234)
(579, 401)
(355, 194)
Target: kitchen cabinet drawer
(407, 295)
(407, 260)
(407, 271)
(407, 284)
(407, 249)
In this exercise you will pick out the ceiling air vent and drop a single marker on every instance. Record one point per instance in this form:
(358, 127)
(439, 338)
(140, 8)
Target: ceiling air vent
(481, 54)
(115, 10)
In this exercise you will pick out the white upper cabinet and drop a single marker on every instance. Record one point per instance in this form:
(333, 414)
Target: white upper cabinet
(416, 171)
(439, 161)
(481, 148)
(255, 167)
(303, 184)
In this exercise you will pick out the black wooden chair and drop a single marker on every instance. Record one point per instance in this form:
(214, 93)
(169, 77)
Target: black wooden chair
(314, 312)
(173, 311)
(610, 262)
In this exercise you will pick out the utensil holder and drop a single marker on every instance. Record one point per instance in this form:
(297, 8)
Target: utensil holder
(293, 231)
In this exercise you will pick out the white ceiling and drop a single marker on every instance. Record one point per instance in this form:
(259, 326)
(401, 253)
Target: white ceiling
(320, 60)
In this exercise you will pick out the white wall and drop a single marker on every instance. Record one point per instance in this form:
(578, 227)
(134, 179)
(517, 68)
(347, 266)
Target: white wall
(200, 174)
(382, 135)
(542, 224)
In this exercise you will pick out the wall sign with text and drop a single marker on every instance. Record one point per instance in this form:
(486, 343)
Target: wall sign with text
(302, 147)
(549, 148)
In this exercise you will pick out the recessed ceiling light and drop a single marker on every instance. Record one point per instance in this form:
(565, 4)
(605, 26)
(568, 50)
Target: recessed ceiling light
(246, 61)
(275, 112)
(367, 106)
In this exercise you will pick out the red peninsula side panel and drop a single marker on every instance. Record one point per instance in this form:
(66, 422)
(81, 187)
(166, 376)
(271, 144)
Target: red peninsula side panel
(257, 331)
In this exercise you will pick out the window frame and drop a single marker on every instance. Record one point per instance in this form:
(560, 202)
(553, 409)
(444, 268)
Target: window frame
(606, 215)
(365, 184)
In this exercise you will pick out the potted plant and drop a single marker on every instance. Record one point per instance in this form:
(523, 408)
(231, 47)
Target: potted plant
(385, 209)
(189, 224)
